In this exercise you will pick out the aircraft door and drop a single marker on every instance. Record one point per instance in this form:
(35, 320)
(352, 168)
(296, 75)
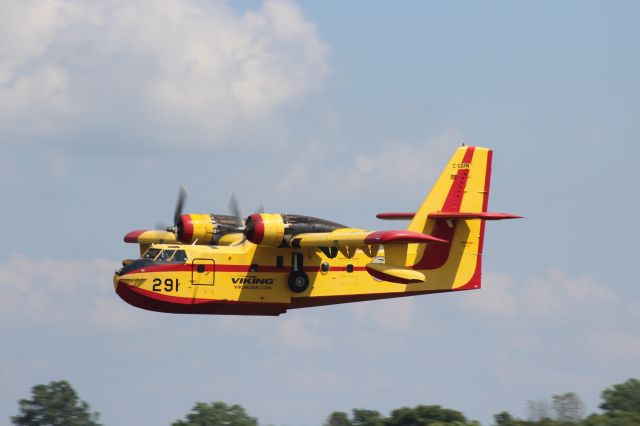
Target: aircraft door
(203, 272)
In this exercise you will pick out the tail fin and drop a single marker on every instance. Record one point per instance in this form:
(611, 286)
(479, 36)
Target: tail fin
(463, 187)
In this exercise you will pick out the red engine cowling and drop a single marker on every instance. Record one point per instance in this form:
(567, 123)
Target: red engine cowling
(265, 229)
(204, 228)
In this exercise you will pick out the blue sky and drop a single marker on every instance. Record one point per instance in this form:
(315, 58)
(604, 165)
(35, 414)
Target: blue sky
(338, 110)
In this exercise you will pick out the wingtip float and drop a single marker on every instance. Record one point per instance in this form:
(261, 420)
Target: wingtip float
(269, 263)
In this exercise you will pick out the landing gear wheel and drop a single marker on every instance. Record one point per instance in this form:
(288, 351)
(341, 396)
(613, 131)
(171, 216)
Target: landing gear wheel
(298, 281)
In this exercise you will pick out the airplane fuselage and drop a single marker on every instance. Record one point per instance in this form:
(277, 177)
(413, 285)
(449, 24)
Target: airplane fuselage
(248, 279)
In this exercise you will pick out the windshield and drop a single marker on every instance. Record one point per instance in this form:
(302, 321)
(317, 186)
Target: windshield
(165, 256)
(151, 253)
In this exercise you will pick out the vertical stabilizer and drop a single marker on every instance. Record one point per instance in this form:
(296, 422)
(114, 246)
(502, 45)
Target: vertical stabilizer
(463, 187)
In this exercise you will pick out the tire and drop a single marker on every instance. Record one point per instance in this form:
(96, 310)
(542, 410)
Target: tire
(298, 282)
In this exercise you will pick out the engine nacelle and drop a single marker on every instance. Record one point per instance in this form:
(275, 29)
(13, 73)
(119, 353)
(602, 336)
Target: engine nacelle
(265, 229)
(276, 230)
(205, 228)
(195, 228)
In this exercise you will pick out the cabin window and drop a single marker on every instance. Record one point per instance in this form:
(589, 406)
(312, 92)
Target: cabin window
(180, 256)
(165, 255)
(350, 268)
(200, 268)
(279, 261)
(151, 253)
(253, 267)
(324, 267)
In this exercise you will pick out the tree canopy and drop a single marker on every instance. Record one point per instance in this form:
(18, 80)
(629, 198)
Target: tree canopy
(623, 397)
(420, 415)
(217, 414)
(58, 404)
(55, 404)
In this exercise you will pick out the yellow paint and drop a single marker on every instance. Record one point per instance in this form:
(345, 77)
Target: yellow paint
(398, 272)
(269, 284)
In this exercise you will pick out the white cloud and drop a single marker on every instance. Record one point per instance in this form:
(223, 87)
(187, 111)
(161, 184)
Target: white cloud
(47, 291)
(584, 316)
(301, 333)
(387, 315)
(191, 70)
(496, 298)
(393, 166)
(549, 297)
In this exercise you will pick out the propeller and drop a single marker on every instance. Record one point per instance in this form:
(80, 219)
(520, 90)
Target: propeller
(234, 209)
(177, 224)
(244, 225)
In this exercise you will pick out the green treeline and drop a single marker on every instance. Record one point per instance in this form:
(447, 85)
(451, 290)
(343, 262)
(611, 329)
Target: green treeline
(58, 404)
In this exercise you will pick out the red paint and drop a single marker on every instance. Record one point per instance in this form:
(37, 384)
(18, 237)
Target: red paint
(257, 224)
(470, 215)
(395, 216)
(476, 279)
(150, 301)
(132, 237)
(436, 255)
(402, 236)
(187, 228)
(186, 267)
(386, 277)
(142, 299)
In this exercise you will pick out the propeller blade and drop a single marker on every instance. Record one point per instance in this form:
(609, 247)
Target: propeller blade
(182, 196)
(234, 209)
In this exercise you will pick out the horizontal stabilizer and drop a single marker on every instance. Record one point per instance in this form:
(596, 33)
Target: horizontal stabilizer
(395, 216)
(395, 274)
(472, 215)
(143, 236)
(400, 237)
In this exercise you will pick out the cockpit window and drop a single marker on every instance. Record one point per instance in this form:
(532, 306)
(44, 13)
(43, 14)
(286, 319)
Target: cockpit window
(180, 256)
(151, 253)
(165, 256)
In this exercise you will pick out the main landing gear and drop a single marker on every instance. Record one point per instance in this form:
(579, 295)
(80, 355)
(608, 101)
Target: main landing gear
(298, 280)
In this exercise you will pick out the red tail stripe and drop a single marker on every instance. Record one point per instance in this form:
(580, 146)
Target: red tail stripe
(436, 255)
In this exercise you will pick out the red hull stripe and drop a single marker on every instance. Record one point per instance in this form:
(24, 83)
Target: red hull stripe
(224, 307)
(187, 267)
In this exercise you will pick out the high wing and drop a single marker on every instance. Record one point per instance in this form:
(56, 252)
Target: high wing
(348, 240)
(359, 237)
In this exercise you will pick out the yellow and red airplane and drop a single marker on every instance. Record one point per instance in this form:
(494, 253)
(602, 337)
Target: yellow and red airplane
(215, 264)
